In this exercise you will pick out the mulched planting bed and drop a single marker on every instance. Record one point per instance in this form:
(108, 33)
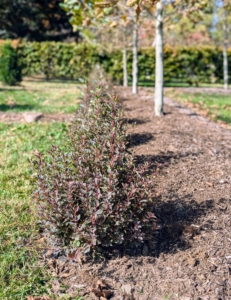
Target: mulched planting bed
(190, 255)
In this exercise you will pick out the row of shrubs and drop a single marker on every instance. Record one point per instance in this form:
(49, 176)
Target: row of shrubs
(183, 64)
(90, 194)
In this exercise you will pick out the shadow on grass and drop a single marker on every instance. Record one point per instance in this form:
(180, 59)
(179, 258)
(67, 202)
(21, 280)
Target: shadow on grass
(16, 107)
(12, 88)
(226, 119)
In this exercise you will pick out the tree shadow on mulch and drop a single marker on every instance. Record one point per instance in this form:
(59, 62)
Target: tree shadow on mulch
(135, 121)
(176, 227)
(178, 215)
(177, 218)
(137, 139)
(164, 158)
(179, 222)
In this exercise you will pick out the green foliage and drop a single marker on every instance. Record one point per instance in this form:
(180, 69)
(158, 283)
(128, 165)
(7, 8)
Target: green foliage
(192, 65)
(90, 195)
(185, 64)
(35, 20)
(59, 59)
(10, 69)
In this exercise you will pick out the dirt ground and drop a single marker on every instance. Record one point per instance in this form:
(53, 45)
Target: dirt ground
(190, 255)
(10, 117)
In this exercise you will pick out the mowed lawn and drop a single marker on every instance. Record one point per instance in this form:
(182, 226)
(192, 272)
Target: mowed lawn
(214, 105)
(20, 273)
(41, 96)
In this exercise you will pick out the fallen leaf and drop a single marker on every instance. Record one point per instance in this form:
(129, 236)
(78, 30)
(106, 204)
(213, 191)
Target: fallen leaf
(86, 22)
(80, 257)
(114, 24)
(42, 240)
(65, 275)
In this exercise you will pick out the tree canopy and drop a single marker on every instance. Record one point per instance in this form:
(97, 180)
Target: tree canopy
(36, 20)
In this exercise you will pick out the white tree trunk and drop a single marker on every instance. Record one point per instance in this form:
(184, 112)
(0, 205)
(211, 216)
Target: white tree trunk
(225, 56)
(226, 70)
(125, 69)
(159, 80)
(135, 58)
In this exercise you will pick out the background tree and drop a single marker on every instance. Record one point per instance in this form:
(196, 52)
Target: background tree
(124, 20)
(114, 26)
(35, 20)
(168, 11)
(78, 9)
(121, 21)
(221, 29)
(190, 30)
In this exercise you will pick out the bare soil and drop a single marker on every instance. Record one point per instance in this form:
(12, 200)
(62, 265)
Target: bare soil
(8, 117)
(190, 255)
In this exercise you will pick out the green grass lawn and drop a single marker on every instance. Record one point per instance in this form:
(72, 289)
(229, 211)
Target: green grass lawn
(19, 273)
(41, 96)
(213, 105)
(175, 83)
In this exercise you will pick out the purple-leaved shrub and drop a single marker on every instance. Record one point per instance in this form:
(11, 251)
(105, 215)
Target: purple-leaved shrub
(90, 194)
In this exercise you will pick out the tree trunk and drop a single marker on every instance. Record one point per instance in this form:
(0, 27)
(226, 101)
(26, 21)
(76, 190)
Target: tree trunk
(159, 80)
(125, 69)
(225, 56)
(135, 58)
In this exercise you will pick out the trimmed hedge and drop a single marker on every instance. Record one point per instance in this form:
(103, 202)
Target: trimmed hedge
(184, 64)
(10, 69)
(54, 59)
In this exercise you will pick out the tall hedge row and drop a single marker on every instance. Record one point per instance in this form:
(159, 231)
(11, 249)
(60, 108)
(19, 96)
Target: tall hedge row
(55, 59)
(184, 64)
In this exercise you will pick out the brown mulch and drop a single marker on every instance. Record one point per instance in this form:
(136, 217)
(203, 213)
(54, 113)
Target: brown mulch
(190, 255)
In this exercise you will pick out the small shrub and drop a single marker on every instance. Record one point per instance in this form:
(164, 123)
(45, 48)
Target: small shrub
(10, 69)
(97, 77)
(91, 195)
